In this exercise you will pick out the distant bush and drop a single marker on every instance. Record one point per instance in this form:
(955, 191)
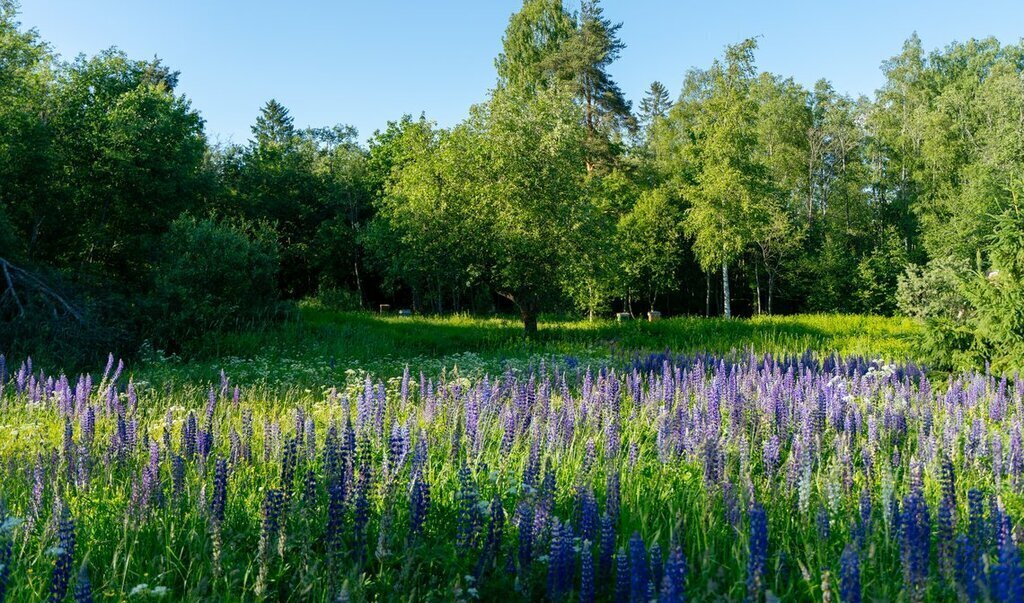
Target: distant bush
(212, 275)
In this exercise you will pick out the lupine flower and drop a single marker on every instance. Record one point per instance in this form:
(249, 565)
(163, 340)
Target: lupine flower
(525, 555)
(419, 506)
(757, 560)
(849, 575)
(65, 557)
(588, 587)
(674, 581)
(639, 571)
(915, 539)
(607, 551)
(623, 577)
(83, 587)
(1008, 574)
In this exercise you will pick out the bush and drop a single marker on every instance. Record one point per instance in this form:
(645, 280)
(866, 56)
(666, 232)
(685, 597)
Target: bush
(213, 275)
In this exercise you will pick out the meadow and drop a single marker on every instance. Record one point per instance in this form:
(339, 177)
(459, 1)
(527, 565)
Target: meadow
(357, 457)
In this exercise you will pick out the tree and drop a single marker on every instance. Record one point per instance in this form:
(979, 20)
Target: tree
(728, 185)
(529, 197)
(649, 239)
(545, 46)
(655, 104)
(130, 158)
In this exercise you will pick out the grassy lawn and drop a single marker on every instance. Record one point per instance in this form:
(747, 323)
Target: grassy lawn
(324, 347)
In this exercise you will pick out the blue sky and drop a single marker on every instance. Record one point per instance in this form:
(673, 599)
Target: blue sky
(364, 63)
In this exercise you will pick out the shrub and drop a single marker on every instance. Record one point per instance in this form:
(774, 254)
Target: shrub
(213, 275)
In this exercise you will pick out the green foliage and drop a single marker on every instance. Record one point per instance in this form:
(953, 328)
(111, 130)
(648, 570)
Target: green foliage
(212, 275)
(878, 274)
(649, 238)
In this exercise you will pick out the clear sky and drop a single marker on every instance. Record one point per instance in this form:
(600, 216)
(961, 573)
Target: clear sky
(366, 62)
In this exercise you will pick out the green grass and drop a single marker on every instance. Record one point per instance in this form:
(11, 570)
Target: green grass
(322, 345)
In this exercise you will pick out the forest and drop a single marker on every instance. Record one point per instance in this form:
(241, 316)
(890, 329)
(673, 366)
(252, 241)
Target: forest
(735, 192)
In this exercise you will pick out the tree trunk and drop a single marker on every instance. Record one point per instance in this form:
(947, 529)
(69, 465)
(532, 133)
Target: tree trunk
(707, 293)
(726, 302)
(359, 283)
(771, 288)
(529, 317)
(757, 285)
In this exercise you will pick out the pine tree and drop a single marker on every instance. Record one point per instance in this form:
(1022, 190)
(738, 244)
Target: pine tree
(655, 104)
(274, 125)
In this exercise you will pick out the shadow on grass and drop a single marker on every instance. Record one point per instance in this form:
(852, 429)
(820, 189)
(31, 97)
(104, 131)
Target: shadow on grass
(352, 336)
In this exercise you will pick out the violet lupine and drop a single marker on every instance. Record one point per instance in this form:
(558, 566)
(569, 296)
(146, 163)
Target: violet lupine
(562, 560)
(1008, 574)
(270, 526)
(607, 551)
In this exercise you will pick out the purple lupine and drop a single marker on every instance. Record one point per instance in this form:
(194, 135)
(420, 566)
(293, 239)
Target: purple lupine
(588, 515)
(218, 501)
(189, 433)
(6, 551)
(495, 535)
(65, 557)
(177, 476)
(561, 561)
(757, 559)
(335, 519)
(613, 497)
(468, 510)
(823, 524)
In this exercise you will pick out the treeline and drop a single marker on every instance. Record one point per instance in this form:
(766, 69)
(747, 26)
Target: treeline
(747, 193)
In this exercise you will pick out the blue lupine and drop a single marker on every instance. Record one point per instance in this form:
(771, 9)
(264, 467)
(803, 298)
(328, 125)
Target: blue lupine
(607, 551)
(849, 575)
(967, 568)
(525, 552)
(588, 586)
(65, 557)
(83, 587)
(639, 571)
(419, 506)
(757, 560)
(220, 485)
(915, 540)
(622, 577)
(1008, 574)
(673, 583)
